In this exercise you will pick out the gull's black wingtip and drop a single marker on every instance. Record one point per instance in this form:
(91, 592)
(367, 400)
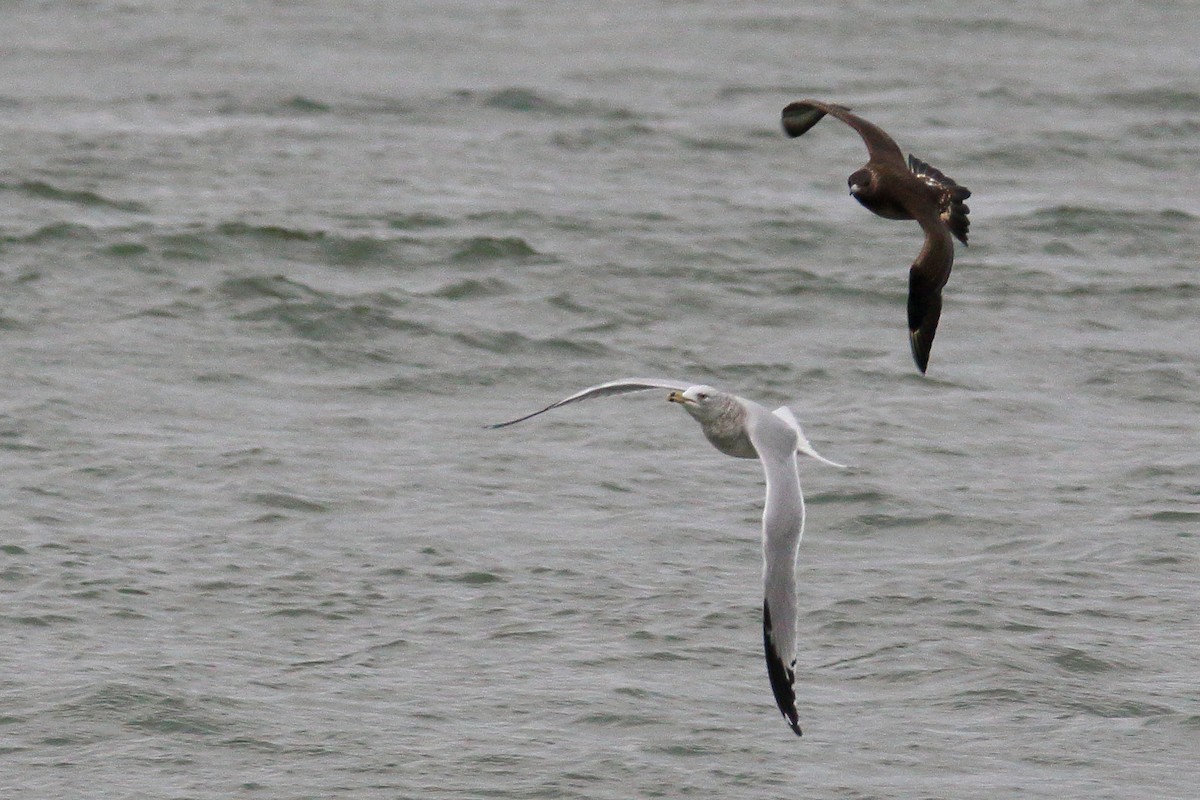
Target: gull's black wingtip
(495, 425)
(782, 677)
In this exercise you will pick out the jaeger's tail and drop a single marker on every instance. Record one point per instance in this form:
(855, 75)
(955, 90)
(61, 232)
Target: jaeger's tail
(953, 210)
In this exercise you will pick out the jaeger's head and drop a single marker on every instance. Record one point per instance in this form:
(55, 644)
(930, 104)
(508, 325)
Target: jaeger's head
(861, 182)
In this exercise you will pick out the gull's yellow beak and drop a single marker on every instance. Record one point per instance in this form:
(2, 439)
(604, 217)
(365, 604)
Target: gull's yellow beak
(677, 397)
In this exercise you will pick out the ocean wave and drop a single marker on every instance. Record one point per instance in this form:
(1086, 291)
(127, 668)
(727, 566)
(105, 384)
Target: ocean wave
(313, 314)
(418, 221)
(227, 104)
(230, 105)
(1175, 290)
(471, 289)
(772, 91)
(125, 250)
(289, 502)
(55, 231)
(872, 523)
(1159, 98)
(514, 99)
(714, 144)
(493, 248)
(316, 245)
(41, 190)
(600, 137)
(306, 105)
(511, 342)
(530, 101)
(1083, 220)
(1184, 130)
(140, 708)
(268, 232)
(276, 287)
(442, 382)
(989, 25)
(328, 321)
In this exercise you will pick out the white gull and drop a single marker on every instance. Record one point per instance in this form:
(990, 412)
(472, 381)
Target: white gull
(744, 429)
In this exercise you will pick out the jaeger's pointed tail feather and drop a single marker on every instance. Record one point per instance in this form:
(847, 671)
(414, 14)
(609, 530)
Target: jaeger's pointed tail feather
(954, 211)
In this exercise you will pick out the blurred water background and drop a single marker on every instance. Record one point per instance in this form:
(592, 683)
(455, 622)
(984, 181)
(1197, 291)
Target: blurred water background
(267, 269)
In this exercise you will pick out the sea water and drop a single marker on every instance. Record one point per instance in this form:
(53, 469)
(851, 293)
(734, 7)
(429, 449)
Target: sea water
(269, 268)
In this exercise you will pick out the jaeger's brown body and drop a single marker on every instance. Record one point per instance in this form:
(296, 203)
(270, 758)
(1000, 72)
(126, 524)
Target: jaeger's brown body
(893, 189)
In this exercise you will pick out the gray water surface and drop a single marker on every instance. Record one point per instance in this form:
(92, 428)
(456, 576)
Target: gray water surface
(267, 270)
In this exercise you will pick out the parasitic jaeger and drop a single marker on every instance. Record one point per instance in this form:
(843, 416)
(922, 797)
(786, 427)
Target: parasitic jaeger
(893, 189)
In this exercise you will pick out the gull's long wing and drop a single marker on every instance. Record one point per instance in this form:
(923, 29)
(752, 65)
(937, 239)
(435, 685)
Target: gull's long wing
(798, 117)
(802, 444)
(623, 386)
(776, 442)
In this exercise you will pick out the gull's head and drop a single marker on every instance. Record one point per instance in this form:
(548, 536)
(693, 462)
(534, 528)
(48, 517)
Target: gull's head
(702, 402)
(860, 182)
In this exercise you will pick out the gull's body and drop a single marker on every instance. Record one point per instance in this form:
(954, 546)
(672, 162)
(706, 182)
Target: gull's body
(744, 429)
(893, 189)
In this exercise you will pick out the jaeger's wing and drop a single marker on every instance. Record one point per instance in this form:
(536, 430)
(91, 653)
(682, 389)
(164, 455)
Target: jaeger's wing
(926, 278)
(800, 116)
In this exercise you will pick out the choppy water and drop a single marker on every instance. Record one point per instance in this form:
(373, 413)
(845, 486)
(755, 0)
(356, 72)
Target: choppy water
(267, 268)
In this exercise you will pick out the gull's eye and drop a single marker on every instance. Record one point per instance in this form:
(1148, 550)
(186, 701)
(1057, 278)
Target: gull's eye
(702, 396)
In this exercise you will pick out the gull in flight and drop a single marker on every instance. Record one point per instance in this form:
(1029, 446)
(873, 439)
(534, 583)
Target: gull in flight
(889, 187)
(744, 429)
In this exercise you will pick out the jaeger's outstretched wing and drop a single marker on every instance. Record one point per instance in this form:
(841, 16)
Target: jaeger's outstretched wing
(800, 116)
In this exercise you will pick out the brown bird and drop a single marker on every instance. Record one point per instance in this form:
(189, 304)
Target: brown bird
(894, 189)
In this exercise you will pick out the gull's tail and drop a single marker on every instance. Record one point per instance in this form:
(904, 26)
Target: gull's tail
(802, 443)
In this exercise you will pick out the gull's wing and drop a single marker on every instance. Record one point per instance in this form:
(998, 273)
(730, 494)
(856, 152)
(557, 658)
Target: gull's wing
(776, 441)
(798, 117)
(622, 386)
(802, 443)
